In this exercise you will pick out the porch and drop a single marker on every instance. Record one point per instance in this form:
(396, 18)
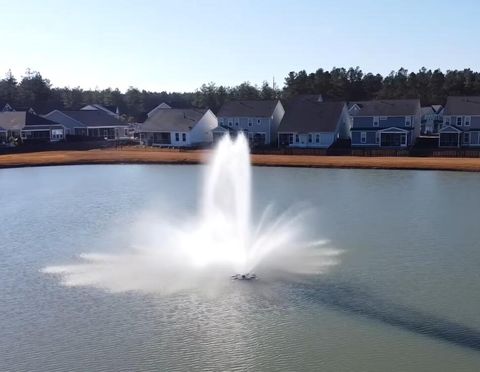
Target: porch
(393, 137)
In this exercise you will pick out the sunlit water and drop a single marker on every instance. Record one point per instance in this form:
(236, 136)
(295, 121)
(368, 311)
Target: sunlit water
(404, 297)
(204, 248)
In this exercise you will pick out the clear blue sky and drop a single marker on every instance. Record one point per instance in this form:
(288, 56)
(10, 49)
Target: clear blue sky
(177, 45)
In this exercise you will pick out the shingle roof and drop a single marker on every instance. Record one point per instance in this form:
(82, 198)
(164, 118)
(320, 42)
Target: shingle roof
(390, 107)
(462, 106)
(169, 119)
(17, 120)
(306, 116)
(248, 108)
(95, 118)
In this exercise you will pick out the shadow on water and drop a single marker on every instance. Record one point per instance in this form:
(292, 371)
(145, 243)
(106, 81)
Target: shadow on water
(358, 301)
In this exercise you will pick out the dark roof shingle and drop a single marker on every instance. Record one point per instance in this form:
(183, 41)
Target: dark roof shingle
(307, 116)
(249, 108)
(94, 118)
(462, 105)
(387, 107)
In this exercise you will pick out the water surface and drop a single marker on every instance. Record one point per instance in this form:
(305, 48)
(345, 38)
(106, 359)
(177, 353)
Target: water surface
(405, 296)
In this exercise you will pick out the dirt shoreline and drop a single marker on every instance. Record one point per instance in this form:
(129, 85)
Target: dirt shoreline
(128, 156)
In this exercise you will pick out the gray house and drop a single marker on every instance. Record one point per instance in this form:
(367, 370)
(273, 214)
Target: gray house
(178, 127)
(258, 120)
(461, 123)
(310, 123)
(90, 123)
(432, 118)
(385, 123)
(29, 127)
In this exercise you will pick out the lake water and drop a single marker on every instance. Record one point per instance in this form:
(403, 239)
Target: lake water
(405, 296)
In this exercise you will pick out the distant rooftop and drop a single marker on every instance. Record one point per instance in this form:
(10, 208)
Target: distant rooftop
(468, 105)
(250, 108)
(169, 119)
(390, 107)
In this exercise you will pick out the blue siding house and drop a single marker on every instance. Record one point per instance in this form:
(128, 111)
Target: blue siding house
(461, 123)
(385, 123)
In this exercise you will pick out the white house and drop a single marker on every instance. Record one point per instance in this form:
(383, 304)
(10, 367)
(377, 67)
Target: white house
(178, 127)
(258, 120)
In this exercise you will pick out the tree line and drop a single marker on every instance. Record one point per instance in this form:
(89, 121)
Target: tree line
(32, 90)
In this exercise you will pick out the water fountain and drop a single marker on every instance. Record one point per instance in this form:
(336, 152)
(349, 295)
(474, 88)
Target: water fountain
(219, 242)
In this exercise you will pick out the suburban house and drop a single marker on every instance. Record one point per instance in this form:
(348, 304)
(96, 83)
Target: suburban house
(258, 120)
(311, 123)
(29, 127)
(461, 123)
(385, 123)
(432, 118)
(161, 106)
(110, 110)
(178, 127)
(90, 123)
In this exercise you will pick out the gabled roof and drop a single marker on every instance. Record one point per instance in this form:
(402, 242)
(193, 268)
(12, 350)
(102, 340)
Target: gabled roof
(462, 105)
(94, 118)
(169, 120)
(249, 108)
(387, 107)
(450, 129)
(111, 110)
(306, 116)
(432, 110)
(162, 105)
(17, 120)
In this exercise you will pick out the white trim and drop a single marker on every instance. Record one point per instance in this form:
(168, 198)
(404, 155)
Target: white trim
(363, 138)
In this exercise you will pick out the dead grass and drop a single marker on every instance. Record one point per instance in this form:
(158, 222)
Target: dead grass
(130, 156)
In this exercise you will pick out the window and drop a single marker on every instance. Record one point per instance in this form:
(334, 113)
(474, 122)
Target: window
(237, 121)
(459, 121)
(407, 121)
(363, 137)
(447, 121)
(296, 138)
(221, 121)
(177, 137)
(403, 139)
(290, 139)
(230, 124)
(377, 137)
(317, 138)
(309, 138)
(259, 121)
(466, 138)
(375, 121)
(467, 121)
(184, 137)
(249, 123)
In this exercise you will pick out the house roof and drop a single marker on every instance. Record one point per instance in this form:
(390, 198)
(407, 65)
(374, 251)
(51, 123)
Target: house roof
(162, 105)
(431, 110)
(462, 105)
(305, 116)
(250, 108)
(17, 120)
(387, 107)
(94, 118)
(169, 119)
(112, 110)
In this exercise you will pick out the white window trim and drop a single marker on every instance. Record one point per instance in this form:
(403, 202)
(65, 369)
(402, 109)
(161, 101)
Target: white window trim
(363, 137)
(375, 121)
(403, 143)
(467, 119)
(408, 121)
(469, 138)
(461, 121)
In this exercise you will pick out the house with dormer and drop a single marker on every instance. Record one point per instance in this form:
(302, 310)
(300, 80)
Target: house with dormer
(385, 123)
(461, 122)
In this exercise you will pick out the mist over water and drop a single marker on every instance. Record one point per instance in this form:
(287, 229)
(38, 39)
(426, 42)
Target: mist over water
(202, 250)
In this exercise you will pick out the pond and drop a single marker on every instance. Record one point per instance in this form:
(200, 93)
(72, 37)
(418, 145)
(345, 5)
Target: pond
(404, 296)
